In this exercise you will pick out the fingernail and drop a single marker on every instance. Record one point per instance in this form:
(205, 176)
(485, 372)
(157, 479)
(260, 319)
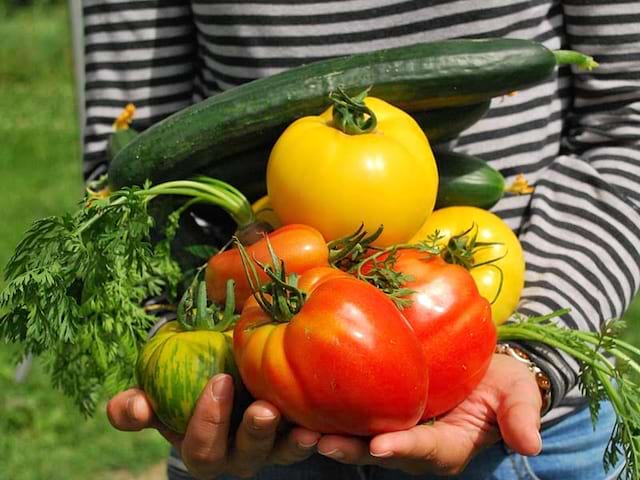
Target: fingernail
(262, 421)
(386, 454)
(540, 448)
(335, 454)
(220, 388)
(307, 446)
(133, 408)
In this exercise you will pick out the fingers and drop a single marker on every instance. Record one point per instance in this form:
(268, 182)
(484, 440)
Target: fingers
(254, 439)
(204, 447)
(130, 411)
(439, 448)
(295, 446)
(350, 450)
(518, 415)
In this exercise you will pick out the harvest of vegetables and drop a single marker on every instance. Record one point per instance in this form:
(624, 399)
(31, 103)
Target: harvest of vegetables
(376, 301)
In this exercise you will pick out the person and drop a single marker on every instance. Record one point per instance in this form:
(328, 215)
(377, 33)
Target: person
(575, 136)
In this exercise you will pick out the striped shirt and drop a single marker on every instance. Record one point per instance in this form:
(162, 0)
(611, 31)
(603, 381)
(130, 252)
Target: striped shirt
(576, 136)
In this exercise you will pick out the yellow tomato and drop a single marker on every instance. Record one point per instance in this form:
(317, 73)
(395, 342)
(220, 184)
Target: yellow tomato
(508, 270)
(320, 176)
(264, 212)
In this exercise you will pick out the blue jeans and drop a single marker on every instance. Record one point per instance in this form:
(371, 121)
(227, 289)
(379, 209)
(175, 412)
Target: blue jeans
(572, 450)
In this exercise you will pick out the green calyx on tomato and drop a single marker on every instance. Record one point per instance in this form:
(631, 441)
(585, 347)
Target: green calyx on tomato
(350, 114)
(462, 249)
(301, 247)
(286, 299)
(175, 364)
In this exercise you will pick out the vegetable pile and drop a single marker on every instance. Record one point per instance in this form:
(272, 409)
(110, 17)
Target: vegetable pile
(363, 293)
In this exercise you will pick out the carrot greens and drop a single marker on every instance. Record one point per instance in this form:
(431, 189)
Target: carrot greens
(76, 284)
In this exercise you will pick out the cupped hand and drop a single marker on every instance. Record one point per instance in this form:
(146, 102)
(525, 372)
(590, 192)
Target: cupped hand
(505, 405)
(206, 448)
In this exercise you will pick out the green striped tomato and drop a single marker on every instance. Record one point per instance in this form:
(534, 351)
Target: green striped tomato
(175, 365)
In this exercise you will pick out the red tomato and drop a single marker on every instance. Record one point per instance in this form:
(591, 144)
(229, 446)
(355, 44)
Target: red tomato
(453, 323)
(348, 362)
(301, 247)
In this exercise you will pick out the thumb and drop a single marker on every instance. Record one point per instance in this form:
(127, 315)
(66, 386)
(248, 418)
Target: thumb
(130, 410)
(518, 414)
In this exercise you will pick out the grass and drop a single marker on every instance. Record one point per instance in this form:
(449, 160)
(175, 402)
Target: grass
(41, 433)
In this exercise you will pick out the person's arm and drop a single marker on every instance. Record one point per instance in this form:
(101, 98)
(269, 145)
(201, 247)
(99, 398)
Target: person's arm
(137, 51)
(582, 236)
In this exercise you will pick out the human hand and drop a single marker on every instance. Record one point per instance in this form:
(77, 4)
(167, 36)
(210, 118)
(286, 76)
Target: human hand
(505, 405)
(206, 448)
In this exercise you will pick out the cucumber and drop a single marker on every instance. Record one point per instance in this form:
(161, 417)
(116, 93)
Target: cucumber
(118, 140)
(247, 170)
(417, 77)
(444, 124)
(467, 180)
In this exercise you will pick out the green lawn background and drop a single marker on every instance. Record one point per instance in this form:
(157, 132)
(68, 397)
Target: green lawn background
(41, 434)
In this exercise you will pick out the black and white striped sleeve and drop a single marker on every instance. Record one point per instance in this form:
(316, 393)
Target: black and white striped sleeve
(135, 51)
(582, 235)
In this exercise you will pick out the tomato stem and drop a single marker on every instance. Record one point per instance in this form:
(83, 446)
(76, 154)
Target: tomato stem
(194, 312)
(286, 299)
(350, 249)
(350, 114)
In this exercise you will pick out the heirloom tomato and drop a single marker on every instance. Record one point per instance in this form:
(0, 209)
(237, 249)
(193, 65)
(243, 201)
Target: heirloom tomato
(175, 365)
(335, 181)
(451, 320)
(501, 281)
(299, 246)
(345, 361)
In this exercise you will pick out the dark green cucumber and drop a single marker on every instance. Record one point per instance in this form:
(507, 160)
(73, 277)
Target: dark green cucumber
(247, 170)
(119, 139)
(444, 124)
(418, 77)
(467, 180)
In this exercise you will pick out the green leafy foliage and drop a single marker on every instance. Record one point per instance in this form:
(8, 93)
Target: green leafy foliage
(609, 371)
(74, 292)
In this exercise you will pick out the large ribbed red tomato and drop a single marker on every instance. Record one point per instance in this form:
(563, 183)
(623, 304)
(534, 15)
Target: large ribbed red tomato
(347, 362)
(453, 323)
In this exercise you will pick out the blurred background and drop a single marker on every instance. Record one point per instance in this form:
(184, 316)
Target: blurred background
(42, 436)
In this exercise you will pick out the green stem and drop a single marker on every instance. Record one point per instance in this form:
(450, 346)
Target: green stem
(620, 344)
(514, 332)
(202, 189)
(210, 191)
(118, 201)
(571, 57)
(203, 320)
(228, 316)
(352, 247)
(350, 114)
(622, 418)
(286, 299)
(619, 354)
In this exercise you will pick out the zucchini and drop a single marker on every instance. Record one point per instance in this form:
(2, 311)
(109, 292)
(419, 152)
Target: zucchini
(417, 77)
(467, 180)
